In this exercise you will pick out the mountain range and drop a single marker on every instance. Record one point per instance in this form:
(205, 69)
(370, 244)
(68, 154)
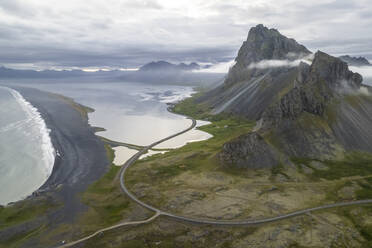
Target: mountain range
(305, 104)
(166, 66)
(160, 66)
(355, 61)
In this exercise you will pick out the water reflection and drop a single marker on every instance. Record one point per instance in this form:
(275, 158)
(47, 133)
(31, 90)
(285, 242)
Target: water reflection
(133, 113)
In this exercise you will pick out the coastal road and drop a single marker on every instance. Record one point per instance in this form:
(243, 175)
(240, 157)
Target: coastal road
(217, 222)
(101, 231)
(159, 212)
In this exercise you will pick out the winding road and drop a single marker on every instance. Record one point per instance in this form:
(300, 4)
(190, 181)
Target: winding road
(101, 231)
(159, 212)
(217, 222)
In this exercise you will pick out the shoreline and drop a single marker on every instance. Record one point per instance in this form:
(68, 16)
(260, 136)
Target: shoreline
(44, 165)
(80, 155)
(130, 149)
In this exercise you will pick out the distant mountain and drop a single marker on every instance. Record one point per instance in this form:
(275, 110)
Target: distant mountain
(14, 73)
(315, 109)
(355, 61)
(174, 77)
(166, 66)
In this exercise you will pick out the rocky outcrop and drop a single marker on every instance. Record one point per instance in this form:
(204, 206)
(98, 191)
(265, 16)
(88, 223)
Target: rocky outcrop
(355, 61)
(247, 152)
(333, 72)
(315, 86)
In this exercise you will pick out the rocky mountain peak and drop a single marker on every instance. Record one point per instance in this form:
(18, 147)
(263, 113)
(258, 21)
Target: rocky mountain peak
(302, 110)
(263, 44)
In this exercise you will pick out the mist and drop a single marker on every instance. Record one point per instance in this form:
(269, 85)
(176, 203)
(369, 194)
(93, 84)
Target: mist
(222, 67)
(365, 71)
(274, 63)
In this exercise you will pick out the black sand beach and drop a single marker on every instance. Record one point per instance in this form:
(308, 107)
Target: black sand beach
(81, 158)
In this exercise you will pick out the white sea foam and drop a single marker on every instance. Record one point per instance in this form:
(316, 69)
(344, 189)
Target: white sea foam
(34, 116)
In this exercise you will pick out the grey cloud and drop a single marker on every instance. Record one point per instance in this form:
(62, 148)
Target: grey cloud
(129, 33)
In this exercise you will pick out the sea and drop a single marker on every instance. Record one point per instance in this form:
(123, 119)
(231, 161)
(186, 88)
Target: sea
(26, 151)
(133, 113)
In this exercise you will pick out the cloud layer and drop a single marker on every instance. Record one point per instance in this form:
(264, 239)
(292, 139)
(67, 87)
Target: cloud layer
(126, 34)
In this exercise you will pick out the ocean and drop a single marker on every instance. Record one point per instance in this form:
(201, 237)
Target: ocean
(129, 112)
(26, 151)
(134, 113)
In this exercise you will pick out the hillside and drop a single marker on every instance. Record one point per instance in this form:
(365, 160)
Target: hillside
(305, 105)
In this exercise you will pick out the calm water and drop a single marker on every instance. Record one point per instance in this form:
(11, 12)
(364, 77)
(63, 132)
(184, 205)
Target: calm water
(26, 151)
(132, 113)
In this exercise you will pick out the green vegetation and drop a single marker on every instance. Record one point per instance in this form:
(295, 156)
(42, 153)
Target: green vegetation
(353, 164)
(19, 238)
(190, 108)
(164, 233)
(366, 189)
(279, 169)
(193, 157)
(356, 216)
(107, 203)
(23, 211)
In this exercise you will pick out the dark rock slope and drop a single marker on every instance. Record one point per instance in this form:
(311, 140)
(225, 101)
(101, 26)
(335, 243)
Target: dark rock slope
(318, 109)
(249, 90)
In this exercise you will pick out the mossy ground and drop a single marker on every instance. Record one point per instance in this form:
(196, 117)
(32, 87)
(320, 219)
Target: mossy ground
(190, 180)
(23, 211)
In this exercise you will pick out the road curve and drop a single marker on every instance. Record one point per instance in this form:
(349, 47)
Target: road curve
(217, 222)
(101, 231)
(136, 156)
(159, 212)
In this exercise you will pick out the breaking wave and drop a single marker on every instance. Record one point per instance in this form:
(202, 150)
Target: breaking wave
(28, 153)
(34, 116)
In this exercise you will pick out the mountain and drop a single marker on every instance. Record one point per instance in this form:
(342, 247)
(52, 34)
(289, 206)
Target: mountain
(255, 81)
(166, 66)
(355, 61)
(306, 105)
(174, 77)
(263, 44)
(16, 73)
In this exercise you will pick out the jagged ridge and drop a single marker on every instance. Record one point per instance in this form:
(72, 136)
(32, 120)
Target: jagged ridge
(302, 111)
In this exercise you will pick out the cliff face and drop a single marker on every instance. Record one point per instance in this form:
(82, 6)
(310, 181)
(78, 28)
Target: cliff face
(315, 86)
(251, 146)
(317, 110)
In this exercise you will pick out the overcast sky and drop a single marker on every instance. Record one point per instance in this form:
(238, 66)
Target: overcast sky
(119, 34)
